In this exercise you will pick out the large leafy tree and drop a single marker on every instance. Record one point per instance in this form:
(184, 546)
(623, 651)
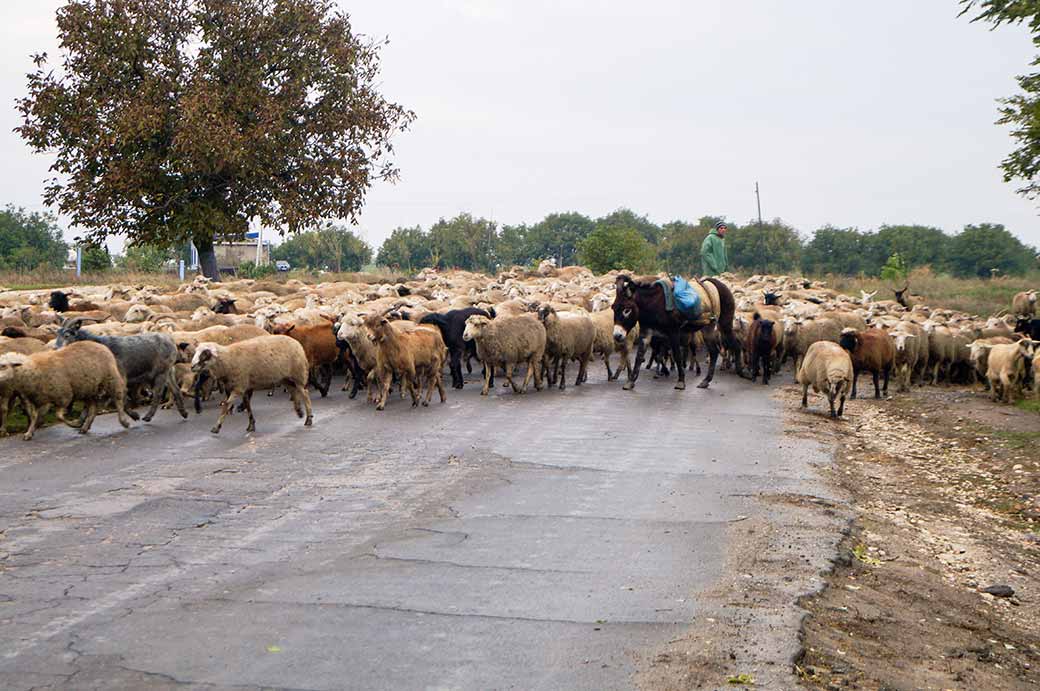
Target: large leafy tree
(172, 120)
(839, 251)
(978, 249)
(333, 248)
(679, 251)
(406, 248)
(29, 241)
(558, 235)
(464, 242)
(626, 218)
(1021, 111)
(916, 245)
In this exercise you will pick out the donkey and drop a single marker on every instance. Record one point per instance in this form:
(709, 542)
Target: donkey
(643, 303)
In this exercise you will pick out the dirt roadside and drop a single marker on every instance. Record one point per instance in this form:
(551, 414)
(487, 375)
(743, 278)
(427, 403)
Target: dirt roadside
(945, 490)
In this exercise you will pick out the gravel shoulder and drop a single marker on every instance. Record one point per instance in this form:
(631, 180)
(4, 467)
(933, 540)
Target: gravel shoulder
(946, 503)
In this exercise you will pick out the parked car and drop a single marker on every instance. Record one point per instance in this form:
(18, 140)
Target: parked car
(282, 265)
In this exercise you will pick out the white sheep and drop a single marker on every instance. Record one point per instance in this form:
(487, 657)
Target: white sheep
(827, 368)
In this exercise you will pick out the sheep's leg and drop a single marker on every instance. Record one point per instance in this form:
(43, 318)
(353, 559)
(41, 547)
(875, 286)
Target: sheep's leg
(324, 379)
(301, 391)
(59, 412)
(535, 365)
(225, 409)
(34, 414)
(509, 377)
(606, 361)
(247, 403)
(487, 379)
(766, 367)
(531, 373)
(855, 378)
(583, 367)
(633, 374)
(830, 399)
(158, 387)
(877, 388)
(888, 373)
(384, 392)
(841, 406)
(455, 365)
(5, 406)
(200, 381)
(439, 383)
(359, 377)
(91, 411)
(414, 386)
(805, 396)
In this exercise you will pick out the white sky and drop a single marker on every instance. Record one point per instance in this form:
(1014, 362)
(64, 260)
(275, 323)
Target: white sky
(854, 114)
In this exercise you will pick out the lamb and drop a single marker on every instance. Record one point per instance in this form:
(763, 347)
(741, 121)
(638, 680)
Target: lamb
(1024, 304)
(605, 343)
(264, 362)
(416, 356)
(568, 336)
(871, 350)
(507, 342)
(144, 360)
(361, 352)
(761, 341)
(827, 368)
(451, 325)
(1006, 368)
(319, 343)
(80, 372)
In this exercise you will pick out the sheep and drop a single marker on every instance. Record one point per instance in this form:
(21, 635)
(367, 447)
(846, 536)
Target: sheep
(941, 349)
(1024, 304)
(906, 354)
(800, 334)
(568, 336)
(264, 362)
(507, 342)
(361, 352)
(1029, 328)
(80, 372)
(451, 325)
(319, 343)
(416, 357)
(25, 346)
(1006, 367)
(605, 344)
(761, 341)
(827, 367)
(871, 350)
(144, 360)
(979, 355)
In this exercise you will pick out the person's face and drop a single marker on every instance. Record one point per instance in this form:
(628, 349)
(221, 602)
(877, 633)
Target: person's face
(722, 231)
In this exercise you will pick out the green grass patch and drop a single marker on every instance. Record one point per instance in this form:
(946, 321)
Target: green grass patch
(17, 421)
(1028, 405)
(1018, 440)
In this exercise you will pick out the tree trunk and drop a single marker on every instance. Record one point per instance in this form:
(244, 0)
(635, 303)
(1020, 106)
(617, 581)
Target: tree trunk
(207, 257)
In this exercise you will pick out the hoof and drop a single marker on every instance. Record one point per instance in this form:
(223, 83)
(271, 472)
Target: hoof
(82, 431)
(681, 386)
(133, 416)
(703, 385)
(251, 428)
(309, 421)
(215, 430)
(147, 418)
(184, 414)
(628, 386)
(27, 437)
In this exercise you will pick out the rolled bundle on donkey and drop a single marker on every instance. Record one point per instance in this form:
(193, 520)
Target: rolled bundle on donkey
(671, 308)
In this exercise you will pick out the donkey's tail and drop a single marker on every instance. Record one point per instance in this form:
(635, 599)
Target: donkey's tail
(727, 310)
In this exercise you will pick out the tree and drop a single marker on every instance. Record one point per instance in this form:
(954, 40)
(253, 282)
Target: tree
(29, 241)
(838, 251)
(773, 247)
(608, 248)
(558, 235)
(333, 248)
(626, 218)
(978, 249)
(680, 249)
(916, 245)
(1022, 111)
(406, 248)
(146, 258)
(96, 259)
(188, 119)
(464, 242)
(895, 270)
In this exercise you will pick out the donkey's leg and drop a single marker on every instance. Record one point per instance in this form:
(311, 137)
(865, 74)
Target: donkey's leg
(633, 374)
(713, 358)
(674, 343)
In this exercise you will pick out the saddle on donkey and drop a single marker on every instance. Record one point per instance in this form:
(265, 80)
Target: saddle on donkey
(697, 302)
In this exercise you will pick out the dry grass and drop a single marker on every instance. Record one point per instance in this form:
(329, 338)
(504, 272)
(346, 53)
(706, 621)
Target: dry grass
(52, 278)
(971, 295)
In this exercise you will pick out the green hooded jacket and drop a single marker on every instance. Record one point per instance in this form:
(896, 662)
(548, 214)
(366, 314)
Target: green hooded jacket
(713, 255)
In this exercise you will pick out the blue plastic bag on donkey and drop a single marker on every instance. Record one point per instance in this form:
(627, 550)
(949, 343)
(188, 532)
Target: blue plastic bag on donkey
(687, 300)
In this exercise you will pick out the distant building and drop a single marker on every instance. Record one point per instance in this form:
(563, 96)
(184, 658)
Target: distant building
(231, 255)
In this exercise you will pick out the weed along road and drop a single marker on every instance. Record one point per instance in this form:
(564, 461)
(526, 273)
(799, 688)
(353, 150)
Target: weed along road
(580, 539)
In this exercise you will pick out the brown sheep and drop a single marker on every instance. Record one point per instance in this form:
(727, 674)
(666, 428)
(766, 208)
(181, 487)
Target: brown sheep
(416, 356)
(761, 342)
(319, 343)
(872, 351)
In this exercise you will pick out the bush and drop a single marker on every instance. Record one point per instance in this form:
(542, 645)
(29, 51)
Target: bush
(608, 248)
(251, 270)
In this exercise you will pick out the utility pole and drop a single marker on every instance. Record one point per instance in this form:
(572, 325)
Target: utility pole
(758, 200)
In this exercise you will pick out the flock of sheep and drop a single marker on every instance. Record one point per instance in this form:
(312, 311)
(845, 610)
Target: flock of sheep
(123, 346)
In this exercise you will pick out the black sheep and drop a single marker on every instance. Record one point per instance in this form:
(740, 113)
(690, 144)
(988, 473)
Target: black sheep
(1029, 327)
(59, 301)
(761, 341)
(451, 325)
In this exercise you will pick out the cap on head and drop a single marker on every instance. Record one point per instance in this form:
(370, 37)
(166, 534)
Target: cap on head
(720, 225)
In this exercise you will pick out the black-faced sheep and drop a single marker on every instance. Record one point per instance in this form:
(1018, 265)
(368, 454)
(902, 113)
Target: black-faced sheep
(261, 363)
(761, 342)
(871, 351)
(452, 324)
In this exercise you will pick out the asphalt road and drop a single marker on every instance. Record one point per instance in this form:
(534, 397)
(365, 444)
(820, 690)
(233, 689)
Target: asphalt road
(545, 541)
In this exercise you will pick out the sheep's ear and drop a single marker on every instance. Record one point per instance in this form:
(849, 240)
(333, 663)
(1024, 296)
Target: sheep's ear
(182, 346)
(16, 364)
(291, 327)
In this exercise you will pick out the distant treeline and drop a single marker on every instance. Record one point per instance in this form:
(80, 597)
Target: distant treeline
(622, 239)
(625, 239)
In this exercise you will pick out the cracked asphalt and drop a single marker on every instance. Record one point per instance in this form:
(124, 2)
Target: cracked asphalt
(545, 541)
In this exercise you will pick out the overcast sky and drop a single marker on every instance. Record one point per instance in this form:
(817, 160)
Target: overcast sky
(852, 114)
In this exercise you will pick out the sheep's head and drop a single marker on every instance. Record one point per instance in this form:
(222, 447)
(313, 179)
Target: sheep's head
(69, 331)
(378, 327)
(901, 339)
(771, 298)
(205, 354)
(282, 329)
(546, 314)
(225, 305)
(9, 363)
(790, 325)
(137, 314)
(849, 339)
(475, 327)
(865, 297)
(1031, 297)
